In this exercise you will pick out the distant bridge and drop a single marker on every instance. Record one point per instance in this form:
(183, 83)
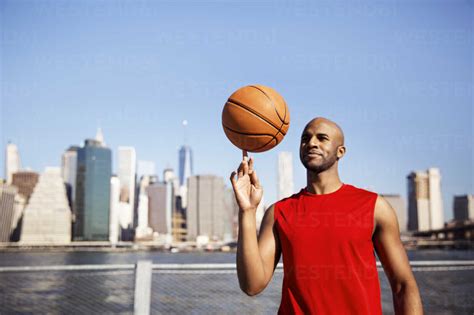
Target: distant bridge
(453, 235)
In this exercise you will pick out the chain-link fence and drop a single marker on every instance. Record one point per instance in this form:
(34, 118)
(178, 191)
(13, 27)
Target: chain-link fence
(66, 290)
(210, 291)
(446, 288)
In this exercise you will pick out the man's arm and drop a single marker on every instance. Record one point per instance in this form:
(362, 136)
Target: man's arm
(256, 259)
(390, 250)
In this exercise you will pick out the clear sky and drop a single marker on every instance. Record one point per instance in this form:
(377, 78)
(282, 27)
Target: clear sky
(396, 75)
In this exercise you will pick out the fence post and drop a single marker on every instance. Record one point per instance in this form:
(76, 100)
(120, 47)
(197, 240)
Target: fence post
(141, 303)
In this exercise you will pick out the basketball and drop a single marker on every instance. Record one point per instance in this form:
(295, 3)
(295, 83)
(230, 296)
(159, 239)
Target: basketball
(255, 118)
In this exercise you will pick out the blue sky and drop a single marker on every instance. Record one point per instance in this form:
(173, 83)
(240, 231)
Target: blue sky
(396, 75)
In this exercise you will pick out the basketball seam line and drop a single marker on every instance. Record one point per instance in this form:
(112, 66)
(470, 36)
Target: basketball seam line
(258, 148)
(237, 103)
(271, 100)
(250, 134)
(266, 144)
(232, 101)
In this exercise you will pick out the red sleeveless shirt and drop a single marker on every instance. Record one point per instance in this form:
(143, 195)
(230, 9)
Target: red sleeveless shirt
(328, 254)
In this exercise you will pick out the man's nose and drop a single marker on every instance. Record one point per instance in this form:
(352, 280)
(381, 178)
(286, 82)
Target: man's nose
(313, 142)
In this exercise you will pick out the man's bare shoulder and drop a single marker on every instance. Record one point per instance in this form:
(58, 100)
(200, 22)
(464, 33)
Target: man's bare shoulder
(384, 215)
(268, 222)
(269, 215)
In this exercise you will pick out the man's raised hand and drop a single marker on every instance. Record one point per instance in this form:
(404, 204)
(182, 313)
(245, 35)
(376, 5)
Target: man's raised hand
(247, 189)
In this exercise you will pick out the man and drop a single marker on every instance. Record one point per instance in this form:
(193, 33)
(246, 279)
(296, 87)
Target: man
(326, 233)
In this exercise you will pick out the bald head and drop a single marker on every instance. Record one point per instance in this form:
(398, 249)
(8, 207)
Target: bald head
(335, 130)
(322, 145)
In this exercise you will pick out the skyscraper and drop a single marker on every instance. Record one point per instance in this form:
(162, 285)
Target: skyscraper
(464, 207)
(126, 173)
(127, 162)
(92, 201)
(206, 214)
(425, 205)
(114, 210)
(185, 164)
(25, 182)
(185, 170)
(168, 177)
(285, 175)
(20, 204)
(7, 210)
(178, 214)
(47, 217)
(12, 161)
(68, 172)
(157, 208)
(436, 199)
(143, 230)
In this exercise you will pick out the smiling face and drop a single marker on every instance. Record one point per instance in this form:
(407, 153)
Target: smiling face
(322, 145)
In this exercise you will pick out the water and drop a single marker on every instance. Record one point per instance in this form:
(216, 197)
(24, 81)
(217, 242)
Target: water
(87, 257)
(209, 292)
(131, 257)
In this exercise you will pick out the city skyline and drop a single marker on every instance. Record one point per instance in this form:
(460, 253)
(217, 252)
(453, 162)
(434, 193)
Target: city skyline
(425, 204)
(401, 89)
(448, 213)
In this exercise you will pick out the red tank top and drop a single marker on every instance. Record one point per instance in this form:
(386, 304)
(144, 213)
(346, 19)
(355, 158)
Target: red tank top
(328, 255)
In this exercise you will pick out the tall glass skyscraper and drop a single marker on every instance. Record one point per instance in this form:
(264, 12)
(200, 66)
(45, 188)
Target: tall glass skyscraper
(92, 202)
(185, 164)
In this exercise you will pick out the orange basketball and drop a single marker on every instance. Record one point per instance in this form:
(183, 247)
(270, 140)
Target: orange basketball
(255, 118)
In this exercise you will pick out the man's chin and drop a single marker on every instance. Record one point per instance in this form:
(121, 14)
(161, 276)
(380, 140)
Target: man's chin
(314, 167)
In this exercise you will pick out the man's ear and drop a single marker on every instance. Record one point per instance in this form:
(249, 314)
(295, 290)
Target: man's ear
(341, 151)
